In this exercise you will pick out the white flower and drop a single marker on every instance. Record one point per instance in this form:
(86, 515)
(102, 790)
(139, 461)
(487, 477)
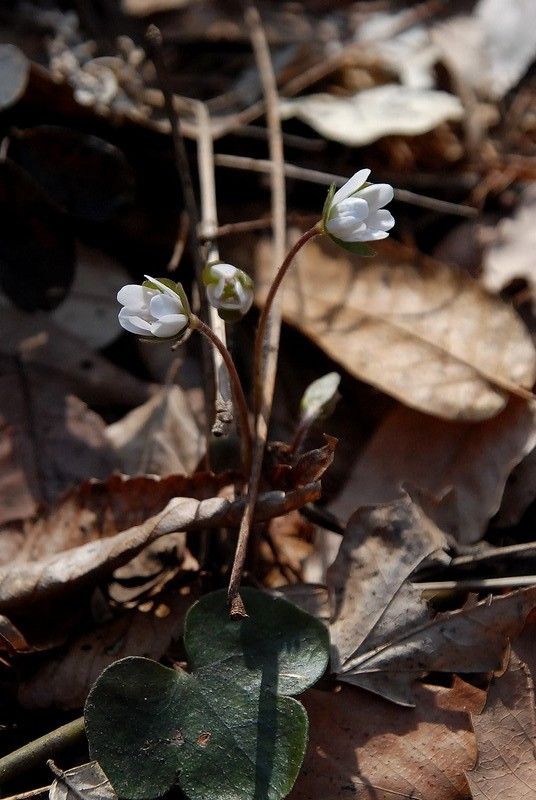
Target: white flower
(355, 212)
(229, 290)
(148, 311)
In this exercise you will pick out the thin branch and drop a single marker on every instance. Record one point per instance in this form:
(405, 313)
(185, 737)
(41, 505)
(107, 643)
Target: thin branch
(261, 224)
(327, 178)
(477, 584)
(35, 753)
(236, 386)
(209, 223)
(265, 368)
(222, 396)
(180, 242)
(154, 40)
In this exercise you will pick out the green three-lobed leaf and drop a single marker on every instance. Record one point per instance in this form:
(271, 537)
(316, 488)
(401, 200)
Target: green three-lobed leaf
(228, 731)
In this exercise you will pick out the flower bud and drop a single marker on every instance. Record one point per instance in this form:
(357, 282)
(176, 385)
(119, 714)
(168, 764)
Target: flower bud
(229, 290)
(158, 309)
(320, 398)
(354, 214)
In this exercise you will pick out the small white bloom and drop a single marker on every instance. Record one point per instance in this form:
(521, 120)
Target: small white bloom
(229, 290)
(152, 312)
(355, 213)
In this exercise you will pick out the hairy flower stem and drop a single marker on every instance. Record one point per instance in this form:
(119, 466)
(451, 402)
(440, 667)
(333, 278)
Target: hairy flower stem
(261, 329)
(236, 388)
(236, 607)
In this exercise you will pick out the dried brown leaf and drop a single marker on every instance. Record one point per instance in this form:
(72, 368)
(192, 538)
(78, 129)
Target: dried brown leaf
(383, 635)
(362, 747)
(49, 352)
(465, 466)
(88, 780)
(57, 576)
(160, 437)
(371, 114)
(373, 602)
(418, 330)
(11, 639)
(506, 736)
(66, 678)
(56, 441)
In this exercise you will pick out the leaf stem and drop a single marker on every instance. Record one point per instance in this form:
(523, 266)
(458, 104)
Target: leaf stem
(33, 753)
(236, 386)
(259, 336)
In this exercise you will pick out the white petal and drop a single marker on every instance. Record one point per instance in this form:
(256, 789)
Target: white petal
(355, 235)
(341, 227)
(162, 305)
(369, 235)
(351, 186)
(133, 324)
(381, 220)
(353, 207)
(214, 293)
(224, 271)
(170, 325)
(377, 195)
(133, 296)
(240, 293)
(247, 302)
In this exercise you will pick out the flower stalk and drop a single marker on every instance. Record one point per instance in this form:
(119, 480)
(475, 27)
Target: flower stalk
(261, 328)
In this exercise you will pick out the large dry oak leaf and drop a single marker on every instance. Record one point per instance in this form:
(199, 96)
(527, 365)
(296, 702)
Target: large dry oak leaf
(417, 329)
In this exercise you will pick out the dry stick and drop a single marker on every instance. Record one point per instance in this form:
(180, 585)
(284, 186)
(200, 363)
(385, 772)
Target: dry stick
(260, 224)
(32, 754)
(265, 369)
(226, 124)
(154, 39)
(209, 223)
(236, 386)
(327, 178)
(476, 584)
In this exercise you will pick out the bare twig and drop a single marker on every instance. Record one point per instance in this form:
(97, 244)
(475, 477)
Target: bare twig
(154, 40)
(222, 397)
(261, 224)
(327, 178)
(209, 223)
(265, 368)
(180, 242)
(477, 584)
(34, 753)
(236, 386)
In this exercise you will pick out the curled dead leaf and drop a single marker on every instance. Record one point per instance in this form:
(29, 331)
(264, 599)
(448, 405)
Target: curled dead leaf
(59, 575)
